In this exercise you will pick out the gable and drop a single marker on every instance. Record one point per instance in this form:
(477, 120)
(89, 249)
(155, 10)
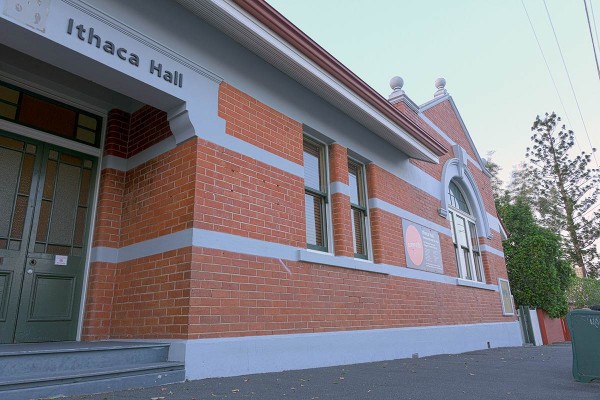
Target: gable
(445, 116)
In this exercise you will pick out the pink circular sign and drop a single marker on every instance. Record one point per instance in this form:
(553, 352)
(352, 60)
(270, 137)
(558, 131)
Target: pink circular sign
(414, 245)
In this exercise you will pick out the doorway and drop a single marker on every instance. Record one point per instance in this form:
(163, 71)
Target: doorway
(46, 193)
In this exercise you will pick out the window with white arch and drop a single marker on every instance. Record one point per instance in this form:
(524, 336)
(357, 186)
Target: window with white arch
(464, 235)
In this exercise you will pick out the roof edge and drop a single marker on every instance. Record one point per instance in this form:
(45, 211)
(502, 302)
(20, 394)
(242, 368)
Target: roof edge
(275, 21)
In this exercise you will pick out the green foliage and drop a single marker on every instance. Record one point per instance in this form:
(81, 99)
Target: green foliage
(494, 170)
(538, 273)
(563, 190)
(584, 292)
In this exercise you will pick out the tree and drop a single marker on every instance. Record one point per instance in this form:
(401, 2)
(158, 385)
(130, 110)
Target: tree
(494, 169)
(537, 270)
(584, 292)
(565, 190)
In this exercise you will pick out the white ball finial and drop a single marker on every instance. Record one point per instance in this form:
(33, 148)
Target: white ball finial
(440, 84)
(396, 83)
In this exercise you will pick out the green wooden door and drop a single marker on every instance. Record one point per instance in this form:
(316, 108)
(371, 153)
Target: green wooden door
(46, 197)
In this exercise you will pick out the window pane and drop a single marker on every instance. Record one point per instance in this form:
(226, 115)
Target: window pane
(456, 198)
(8, 111)
(312, 166)
(9, 95)
(467, 260)
(452, 228)
(358, 231)
(47, 116)
(474, 238)
(461, 231)
(314, 220)
(354, 183)
(9, 177)
(478, 270)
(457, 256)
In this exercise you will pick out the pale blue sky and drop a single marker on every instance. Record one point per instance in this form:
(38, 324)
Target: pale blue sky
(486, 51)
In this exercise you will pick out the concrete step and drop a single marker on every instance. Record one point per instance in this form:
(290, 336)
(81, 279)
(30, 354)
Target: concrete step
(20, 359)
(95, 384)
(31, 371)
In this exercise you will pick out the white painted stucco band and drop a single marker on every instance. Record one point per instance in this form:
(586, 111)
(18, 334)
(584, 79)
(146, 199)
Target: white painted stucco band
(208, 358)
(238, 244)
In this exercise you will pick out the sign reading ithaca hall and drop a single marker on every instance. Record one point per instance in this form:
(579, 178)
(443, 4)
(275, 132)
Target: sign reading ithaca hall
(155, 68)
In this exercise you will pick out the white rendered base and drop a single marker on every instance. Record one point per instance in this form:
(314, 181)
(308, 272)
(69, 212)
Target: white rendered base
(209, 358)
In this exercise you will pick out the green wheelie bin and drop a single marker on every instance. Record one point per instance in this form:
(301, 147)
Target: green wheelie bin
(584, 326)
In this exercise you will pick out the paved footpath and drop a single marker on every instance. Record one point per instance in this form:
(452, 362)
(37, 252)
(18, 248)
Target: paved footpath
(527, 373)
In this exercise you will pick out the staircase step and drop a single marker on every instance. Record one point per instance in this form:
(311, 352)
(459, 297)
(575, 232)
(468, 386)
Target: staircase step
(21, 359)
(41, 379)
(43, 370)
(99, 381)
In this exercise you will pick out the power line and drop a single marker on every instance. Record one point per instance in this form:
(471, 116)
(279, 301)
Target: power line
(590, 210)
(587, 14)
(595, 25)
(548, 68)
(570, 82)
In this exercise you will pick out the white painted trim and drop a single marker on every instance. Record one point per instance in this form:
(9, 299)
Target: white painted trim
(34, 87)
(339, 187)
(392, 209)
(447, 138)
(510, 296)
(220, 357)
(368, 266)
(219, 138)
(260, 38)
(88, 255)
(242, 245)
(478, 163)
(127, 164)
(475, 284)
(535, 324)
(454, 169)
(114, 162)
(144, 40)
(433, 102)
(49, 138)
(489, 249)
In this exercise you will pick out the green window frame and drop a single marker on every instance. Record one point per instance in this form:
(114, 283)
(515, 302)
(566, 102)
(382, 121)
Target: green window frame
(358, 209)
(315, 195)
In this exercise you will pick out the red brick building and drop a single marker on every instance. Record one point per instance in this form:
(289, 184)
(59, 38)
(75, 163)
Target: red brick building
(226, 185)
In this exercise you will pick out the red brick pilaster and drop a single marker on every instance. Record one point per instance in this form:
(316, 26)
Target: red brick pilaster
(340, 202)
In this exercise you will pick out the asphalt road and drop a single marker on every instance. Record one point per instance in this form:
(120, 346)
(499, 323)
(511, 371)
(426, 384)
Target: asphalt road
(528, 373)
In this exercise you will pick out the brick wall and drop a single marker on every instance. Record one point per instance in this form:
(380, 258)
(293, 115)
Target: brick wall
(241, 295)
(258, 124)
(242, 196)
(444, 117)
(196, 292)
(149, 201)
(343, 242)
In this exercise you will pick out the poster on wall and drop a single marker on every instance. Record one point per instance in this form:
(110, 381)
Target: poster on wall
(422, 247)
(506, 298)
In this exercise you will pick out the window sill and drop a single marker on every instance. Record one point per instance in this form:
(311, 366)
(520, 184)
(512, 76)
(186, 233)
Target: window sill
(475, 284)
(319, 257)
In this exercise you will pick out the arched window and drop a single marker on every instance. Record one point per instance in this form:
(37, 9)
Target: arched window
(464, 235)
